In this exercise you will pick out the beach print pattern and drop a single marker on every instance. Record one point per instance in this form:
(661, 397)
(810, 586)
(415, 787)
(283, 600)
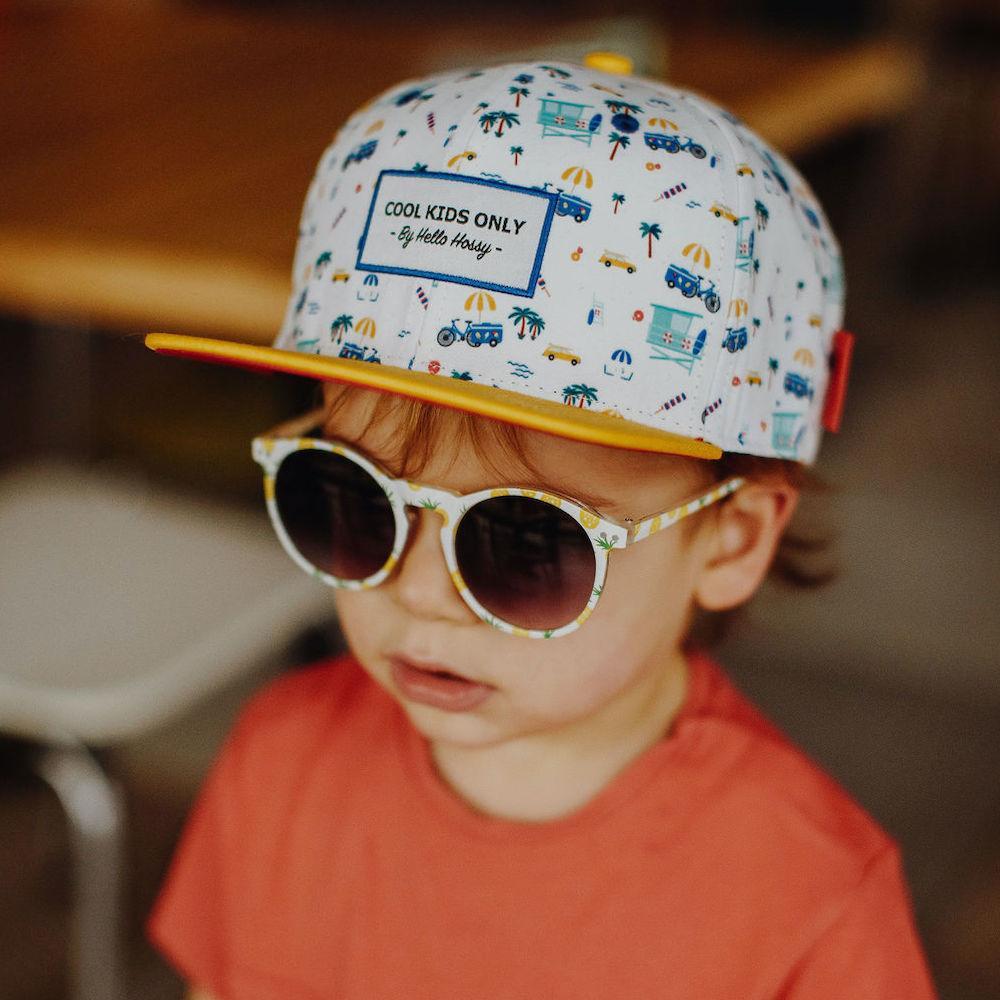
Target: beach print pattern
(682, 273)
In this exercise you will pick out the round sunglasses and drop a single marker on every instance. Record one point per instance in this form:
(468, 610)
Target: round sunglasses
(526, 561)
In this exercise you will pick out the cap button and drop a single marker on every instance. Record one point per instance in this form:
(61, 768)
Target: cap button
(609, 62)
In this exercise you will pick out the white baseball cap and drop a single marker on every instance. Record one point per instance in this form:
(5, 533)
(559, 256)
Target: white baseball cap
(572, 249)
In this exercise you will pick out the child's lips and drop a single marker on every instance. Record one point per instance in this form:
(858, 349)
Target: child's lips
(437, 685)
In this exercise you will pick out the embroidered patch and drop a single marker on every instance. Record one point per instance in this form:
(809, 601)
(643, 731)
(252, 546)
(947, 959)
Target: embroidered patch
(468, 230)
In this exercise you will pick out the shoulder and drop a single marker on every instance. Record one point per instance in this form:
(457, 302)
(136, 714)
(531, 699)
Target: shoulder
(779, 807)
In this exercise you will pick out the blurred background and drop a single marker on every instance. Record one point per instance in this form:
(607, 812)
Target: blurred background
(153, 161)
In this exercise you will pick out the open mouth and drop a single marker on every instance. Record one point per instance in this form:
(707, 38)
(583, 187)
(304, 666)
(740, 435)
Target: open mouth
(447, 674)
(437, 686)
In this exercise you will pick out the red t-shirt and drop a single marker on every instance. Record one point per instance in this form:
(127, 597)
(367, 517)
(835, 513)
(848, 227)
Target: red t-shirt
(325, 858)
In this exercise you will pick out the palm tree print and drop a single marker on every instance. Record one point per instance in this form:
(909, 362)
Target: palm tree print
(508, 118)
(341, 325)
(579, 395)
(616, 200)
(651, 230)
(321, 261)
(772, 370)
(619, 140)
(555, 71)
(623, 107)
(521, 314)
(517, 151)
(535, 325)
(488, 120)
(518, 93)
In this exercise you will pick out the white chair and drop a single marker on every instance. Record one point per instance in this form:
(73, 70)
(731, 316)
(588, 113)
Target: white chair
(122, 605)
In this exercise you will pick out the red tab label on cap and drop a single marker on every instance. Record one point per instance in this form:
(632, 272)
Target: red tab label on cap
(836, 390)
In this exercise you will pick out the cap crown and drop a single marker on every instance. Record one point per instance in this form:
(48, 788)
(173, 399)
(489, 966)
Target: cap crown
(614, 244)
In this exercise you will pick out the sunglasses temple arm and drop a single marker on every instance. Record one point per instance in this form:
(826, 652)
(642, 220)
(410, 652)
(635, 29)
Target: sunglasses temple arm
(650, 525)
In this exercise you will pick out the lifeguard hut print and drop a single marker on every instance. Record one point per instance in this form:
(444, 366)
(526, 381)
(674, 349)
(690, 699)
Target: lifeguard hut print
(670, 336)
(786, 433)
(568, 119)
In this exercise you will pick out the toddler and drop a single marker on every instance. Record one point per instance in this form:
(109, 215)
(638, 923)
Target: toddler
(577, 334)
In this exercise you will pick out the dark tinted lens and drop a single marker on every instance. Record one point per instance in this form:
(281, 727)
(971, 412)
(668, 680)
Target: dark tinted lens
(335, 513)
(526, 561)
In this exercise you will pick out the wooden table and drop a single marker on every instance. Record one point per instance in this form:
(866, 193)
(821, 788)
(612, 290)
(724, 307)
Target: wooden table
(154, 158)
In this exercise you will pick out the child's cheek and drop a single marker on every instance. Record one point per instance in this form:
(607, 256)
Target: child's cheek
(362, 620)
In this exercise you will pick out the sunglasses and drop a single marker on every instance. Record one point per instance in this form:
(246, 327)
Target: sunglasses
(528, 562)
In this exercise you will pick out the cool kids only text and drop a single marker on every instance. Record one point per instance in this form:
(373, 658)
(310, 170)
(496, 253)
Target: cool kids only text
(448, 213)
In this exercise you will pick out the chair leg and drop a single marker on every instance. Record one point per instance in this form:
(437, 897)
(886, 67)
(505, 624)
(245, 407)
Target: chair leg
(95, 815)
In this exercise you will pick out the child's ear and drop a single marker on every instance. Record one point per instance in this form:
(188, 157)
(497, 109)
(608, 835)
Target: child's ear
(742, 541)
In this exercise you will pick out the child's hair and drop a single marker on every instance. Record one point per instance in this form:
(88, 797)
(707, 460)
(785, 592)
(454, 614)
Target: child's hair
(803, 557)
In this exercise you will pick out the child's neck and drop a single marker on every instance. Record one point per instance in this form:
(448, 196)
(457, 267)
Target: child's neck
(552, 774)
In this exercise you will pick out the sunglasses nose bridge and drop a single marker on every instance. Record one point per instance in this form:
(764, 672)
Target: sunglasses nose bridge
(417, 497)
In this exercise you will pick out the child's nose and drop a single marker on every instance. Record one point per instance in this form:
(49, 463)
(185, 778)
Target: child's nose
(423, 581)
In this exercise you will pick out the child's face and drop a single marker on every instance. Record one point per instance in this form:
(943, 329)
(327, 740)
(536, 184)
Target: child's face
(593, 684)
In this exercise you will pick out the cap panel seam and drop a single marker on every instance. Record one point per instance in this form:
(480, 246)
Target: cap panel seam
(727, 362)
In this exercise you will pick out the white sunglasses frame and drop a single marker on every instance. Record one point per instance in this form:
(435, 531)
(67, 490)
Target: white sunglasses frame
(270, 450)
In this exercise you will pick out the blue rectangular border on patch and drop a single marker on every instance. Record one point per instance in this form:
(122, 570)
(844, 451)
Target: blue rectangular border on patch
(528, 291)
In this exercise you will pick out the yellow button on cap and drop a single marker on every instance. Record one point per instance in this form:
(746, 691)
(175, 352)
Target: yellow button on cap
(608, 62)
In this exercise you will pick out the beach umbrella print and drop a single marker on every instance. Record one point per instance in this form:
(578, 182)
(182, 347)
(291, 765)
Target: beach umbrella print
(804, 355)
(482, 300)
(365, 327)
(576, 175)
(698, 254)
(738, 308)
(374, 127)
(663, 123)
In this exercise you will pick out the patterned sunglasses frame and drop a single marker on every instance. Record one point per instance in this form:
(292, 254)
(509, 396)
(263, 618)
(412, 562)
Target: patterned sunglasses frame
(271, 449)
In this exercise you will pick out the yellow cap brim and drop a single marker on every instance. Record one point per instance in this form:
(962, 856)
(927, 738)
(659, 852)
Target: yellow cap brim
(498, 404)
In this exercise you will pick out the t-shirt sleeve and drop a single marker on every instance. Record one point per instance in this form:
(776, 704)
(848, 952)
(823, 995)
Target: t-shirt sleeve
(871, 950)
(189, 920)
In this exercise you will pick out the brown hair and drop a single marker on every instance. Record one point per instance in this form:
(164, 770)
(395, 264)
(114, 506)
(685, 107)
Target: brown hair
(804, 558)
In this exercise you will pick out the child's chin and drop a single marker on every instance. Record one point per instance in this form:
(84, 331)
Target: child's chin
(459, 730)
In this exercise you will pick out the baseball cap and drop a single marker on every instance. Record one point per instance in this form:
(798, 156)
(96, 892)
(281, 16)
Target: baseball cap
(572, 249)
